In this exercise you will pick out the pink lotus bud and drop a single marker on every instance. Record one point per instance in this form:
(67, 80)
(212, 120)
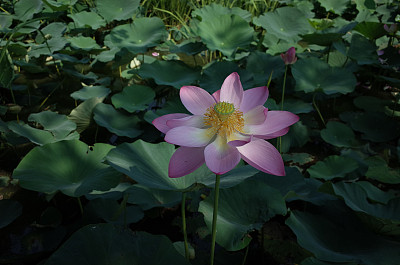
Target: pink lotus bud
(155, 54)
(290, 56)
(390, 29)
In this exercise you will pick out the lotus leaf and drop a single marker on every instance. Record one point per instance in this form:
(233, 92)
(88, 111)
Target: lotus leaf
(242, 208)
(70, 167)
(102, 244)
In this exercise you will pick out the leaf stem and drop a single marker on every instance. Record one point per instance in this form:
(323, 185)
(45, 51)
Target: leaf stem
(317, 109)
(183, 210)
(80, 205)
(214, 221)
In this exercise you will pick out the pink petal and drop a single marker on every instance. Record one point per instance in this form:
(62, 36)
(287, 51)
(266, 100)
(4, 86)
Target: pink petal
(188, 136)
(263, 156)
(255, 116)
(232, 90)
(254, 97)
(275, 121)
(161, 122)
(221, 157)
(185, 160)
(239, 139)
(196, 100)
(191, 121)
(275, 134)
(217, 95)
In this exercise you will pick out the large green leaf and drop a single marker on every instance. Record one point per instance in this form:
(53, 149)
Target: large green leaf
(242, 209)
(170, 73)
(356, 196)
(286, 23)
(335, 6)
(83, 43)
(111, 211)
(215, 73)
(25, 9)
(133, 98)
(226, 33)
(56, 127)
(104, 244)
(339, 134)
(379, 170)
(371, 30)
(88, 92)
(215, 10)
(82, 115)
(143, 33)
(117, 9)
(116, 122)
(262, 65)
(87, 19)
(148, 198)
(49, 40)
(7, 71)
(363, 50)
(68, 166)
(313, 74)
(10, 210)
(333, 233)
(293, 186)
(333, 167)
(148, 165)
(382, 129)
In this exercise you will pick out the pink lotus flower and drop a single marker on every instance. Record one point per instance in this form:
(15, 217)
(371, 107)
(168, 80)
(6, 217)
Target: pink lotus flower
(289, 57)
(225, 127)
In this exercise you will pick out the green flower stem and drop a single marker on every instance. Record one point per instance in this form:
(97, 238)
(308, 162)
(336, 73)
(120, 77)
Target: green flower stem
(283, 87)
(183, 211)
(283, 99)
(214, 221)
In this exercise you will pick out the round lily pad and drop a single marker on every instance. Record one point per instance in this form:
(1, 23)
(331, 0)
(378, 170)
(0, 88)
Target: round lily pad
(143, 33)
(332, 167)
(87, 19)
(84, 43)
(68, 166)
(339, 134)
(116, 9)
(286, 23)
(88, 92)
(170, 73)
(214, 10)
(134, 98)
(225, 33)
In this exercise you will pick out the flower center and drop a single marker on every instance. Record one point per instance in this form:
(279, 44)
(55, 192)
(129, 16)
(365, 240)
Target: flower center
(223, 119)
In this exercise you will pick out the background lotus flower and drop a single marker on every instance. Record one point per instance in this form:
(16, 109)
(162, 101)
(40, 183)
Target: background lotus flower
(225, 127)
(391, 29)
(289, 57)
